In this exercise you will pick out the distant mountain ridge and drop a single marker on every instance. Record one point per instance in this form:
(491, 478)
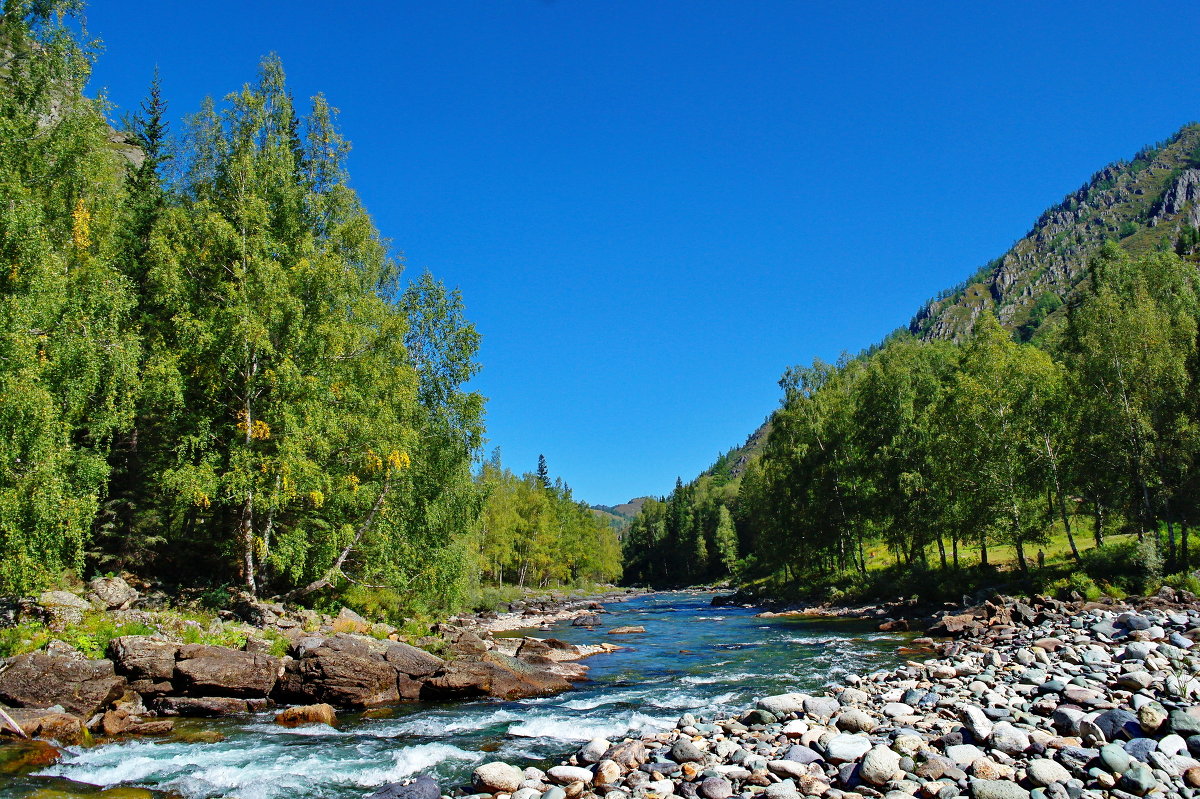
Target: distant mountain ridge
(1144, 204)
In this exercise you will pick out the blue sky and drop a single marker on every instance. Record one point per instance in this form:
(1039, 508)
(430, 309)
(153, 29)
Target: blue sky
(653, 208)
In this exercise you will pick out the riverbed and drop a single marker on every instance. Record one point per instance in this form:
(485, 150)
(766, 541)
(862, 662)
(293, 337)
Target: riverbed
(693, 658)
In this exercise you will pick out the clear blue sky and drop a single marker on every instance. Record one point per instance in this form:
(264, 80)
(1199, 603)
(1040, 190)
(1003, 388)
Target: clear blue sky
(652, 208)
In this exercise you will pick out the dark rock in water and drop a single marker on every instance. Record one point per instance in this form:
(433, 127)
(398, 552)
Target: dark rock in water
(24, 757)
(587, 620)
(82, 687)
(421, 788)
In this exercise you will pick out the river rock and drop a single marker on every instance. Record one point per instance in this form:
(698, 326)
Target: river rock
(715, 788)
(1115, 758)
(217, 671)
(1044, 772)
(565, 775)
(855, 720)
(878, 765)
(628, 755)
(1008, 739)
(206, 706)
(410, 660)
(1119, 723)
(627, 630)
(593, 751)
(974, 719)
(1183, 723)
(81, 687)
(52, 725)
(686, 752)
(420, 788)
(142, 657)
(963, 755)
(496, 777)
(307, 714)
(821, 706)
(782, 704)
(997, 789)
(1138, 780)
(606, 772)
(847, 748)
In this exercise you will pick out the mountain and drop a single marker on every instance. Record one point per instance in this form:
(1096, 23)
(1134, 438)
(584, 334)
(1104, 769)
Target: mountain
(1144, 204)
(1147, 203)
(626, 510)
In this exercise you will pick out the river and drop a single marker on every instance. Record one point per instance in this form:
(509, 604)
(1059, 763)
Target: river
(692, 658)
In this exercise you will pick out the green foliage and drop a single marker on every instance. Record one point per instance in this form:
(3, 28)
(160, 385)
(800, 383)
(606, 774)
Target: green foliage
(534, 534)
(375, 603)
(24, 637)
(1076, 583)
(216, 376)
(1184, 581)
(916, 458)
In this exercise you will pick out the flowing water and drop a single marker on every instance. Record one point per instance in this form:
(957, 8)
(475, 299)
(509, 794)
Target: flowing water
(692, 658)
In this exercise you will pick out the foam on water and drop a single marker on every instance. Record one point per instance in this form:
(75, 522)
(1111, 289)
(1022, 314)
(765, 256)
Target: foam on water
(569, 728)
(706, 669)
(261, 772)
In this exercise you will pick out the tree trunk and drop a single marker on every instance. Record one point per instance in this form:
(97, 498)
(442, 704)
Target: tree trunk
(246, 540)
(1183, 545)
(941, 549)
(362, 528)
(1098, 523)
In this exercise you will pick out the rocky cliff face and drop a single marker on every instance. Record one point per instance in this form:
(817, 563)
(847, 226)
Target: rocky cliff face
(1143, 204)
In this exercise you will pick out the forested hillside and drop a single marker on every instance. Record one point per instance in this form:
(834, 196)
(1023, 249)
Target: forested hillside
(991, 425)
(212, 371)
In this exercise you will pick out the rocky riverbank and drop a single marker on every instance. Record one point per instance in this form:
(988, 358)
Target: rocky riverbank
(1030, 700)
(332, 663)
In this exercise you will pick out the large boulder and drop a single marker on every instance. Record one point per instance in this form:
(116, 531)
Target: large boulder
(496, 777)
(81, 687)
(207, 706)
(141, 657)
(111, 593)
(306, 714)
(63, 608)
(499, 676)
(414, 662)
(339, 679)
(955, 625)
(217, 671)
(50, 724)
